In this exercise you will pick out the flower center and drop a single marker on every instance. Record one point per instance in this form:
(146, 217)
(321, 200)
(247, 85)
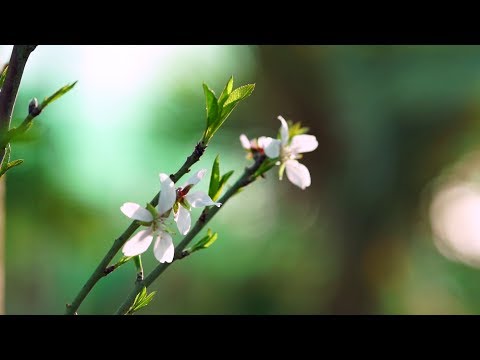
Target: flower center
(287, 154)
(160, 224)
(254, 147)
(181, 192)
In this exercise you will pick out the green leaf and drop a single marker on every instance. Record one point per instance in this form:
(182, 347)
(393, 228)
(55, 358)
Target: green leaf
(3, 75)
(123, 260)
(141, 300)
(14, 163)
(59, 93)
(226, 92)
(149, 298)
(199, 244)
(224, 110)
(6, 159)
(212, 105)
(214, 178)
(221, 185)
(6, 163)
(240, 93)
(296, 129)
(266, 165)
(32, 135)
(205, 242)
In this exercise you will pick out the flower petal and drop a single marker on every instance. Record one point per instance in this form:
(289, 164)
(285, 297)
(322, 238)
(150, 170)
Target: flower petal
(136, 212)
(245, 142)
(199, 199)
(163, 248)
(298, 174)
(261, 142)
(183, 220)
(195, 179)
(303, 143)
(138, 244)
(167, 194)
(283, 130)
(271, 147)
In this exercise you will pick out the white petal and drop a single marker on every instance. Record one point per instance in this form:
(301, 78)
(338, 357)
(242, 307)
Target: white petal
(245, 142)
(183, 220)
(283, 130)
(199, 199)
(138, 244)
(163, 248)
(262, 142)
(303, 143)
(298, 174)
(167, 194)
(195, 179)
(136, 212)
(271, 147)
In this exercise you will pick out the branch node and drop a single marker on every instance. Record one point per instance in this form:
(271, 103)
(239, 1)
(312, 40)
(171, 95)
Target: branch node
(108, 270)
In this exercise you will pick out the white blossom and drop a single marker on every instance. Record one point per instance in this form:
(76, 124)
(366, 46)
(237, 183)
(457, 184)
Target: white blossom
(163, 248)
(288, 151)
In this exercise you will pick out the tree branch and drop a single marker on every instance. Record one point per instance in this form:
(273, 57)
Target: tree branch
(101, 269)
(8, 95)
(207, 214)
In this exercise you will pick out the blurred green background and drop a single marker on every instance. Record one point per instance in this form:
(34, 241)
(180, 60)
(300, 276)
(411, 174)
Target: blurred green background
(393, 122)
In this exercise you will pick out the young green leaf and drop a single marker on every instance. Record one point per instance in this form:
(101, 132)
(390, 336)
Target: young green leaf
(221, 185)
(226, 92)
(205, 242)
(59, 93)
(123, 260)
(6, 163)
(6, 159)
(296, 129)
(141, 300)
(214, 178)
(233, 100)
(198, 245)
(212, 105)
(266, 165)
(240, 93)
(3, 75)
(225, 106)
(14, 163)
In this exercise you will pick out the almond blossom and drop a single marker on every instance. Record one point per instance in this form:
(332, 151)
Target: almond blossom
(155, 220)
(288, 151)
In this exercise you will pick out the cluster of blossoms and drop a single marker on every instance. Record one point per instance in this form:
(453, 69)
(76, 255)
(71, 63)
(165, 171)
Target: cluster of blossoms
(177, 201)
(287, 150)
(284, 151)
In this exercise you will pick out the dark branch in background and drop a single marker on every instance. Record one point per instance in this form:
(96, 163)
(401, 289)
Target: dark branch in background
(8, 95)
(103, 269)
(208, 213)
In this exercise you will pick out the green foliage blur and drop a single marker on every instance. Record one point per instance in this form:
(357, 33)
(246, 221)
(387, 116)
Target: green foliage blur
(389, 120)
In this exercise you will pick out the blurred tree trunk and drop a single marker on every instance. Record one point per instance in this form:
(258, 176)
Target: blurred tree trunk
(2, 245)
(296, 77)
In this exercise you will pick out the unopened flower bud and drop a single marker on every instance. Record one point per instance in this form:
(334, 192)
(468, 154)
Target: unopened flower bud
(33, 108)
